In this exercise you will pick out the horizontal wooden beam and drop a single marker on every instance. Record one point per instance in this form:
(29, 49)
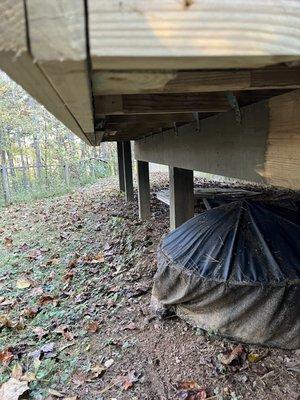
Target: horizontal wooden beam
(196, 34)
(263, 147)
(57, 37)
(161, 103)
(153, 118)
(134, 82)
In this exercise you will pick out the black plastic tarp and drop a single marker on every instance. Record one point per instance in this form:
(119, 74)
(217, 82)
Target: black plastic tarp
(235, 269)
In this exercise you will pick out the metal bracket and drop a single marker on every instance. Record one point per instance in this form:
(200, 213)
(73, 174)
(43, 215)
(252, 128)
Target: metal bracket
(232, 100)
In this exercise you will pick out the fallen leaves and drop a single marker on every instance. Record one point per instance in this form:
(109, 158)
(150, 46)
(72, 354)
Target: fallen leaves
(39, 332)
(23, 283)
(233, 355)
(6, 356)
(92, 326)
(130, 379)
(8, 242)
(5, 321)
(13, 389)
(190, 390)
(64, 330)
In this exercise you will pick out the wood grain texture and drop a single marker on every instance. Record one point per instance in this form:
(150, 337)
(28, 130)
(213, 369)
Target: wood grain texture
(177, 34)
(58, 44)
(161, 103)
(17, 62)
(134, 82)
(265, 147)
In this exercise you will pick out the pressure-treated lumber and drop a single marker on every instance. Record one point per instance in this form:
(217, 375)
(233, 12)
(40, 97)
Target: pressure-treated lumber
(143, 190)
(121, 166)
(161, 103)
(17, 62)
(181, 34)
(181, 196)
(134, 82)
(57, 36)
(127, 166)
(264, 147)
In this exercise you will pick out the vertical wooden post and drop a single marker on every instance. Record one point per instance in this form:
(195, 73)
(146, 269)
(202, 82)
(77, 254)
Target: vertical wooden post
(67, 174)
(121, 166)
(5, 185)
(143, 190)
(127, 165)
(181, 196)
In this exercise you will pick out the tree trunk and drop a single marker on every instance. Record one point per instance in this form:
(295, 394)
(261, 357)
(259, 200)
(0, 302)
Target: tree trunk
(38, 158)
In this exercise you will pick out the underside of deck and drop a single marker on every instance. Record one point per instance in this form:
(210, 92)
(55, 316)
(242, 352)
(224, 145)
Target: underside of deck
(198, 85)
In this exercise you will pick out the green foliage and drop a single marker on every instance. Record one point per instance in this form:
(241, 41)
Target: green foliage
(35, 148)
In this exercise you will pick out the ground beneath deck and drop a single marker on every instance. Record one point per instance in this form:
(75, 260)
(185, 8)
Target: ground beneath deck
(75, 285)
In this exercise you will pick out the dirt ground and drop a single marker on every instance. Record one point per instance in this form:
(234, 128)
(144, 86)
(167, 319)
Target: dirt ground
(75, 323)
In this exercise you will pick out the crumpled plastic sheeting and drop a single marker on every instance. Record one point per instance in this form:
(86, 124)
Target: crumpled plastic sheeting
(235, 270)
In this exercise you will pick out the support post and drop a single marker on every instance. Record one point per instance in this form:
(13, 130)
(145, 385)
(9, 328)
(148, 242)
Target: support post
(143, 190)
(127, 165)
(5, 184)
(121, 166)
(181, 196)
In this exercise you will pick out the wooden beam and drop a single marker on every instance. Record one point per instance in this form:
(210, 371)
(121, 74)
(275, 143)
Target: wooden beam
(149, 118)
(263, 147)
(196, 34)
(127, 166)
(161, 103)
(121, 166)
(143, 190)
(57, 36)
(135, 82)
(181, 196)
(17, 62)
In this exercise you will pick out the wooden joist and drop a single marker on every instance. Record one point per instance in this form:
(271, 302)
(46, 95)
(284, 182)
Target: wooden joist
(134, 82)
(198, 34)
(263, 147)
(161, 103)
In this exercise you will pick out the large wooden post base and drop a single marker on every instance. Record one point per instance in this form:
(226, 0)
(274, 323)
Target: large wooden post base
(143, 190)
(127, 166)
(181, 196)
(121, 166)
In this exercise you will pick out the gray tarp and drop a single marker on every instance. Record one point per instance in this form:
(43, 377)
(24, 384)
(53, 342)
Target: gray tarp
(235, 270)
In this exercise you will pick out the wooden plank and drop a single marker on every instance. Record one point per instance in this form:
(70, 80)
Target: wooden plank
(181, 34)
(143, 190)
(264, 147)
(161, 103)
(155, 118)
(58, 44)
(134, 82)
(181, 196)
(17, 62)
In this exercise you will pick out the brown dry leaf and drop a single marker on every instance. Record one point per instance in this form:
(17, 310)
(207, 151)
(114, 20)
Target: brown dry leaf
(5, 322)
(53, 261)
(39, 332)
(6, 356)
(46, 299)
(130, 379)
(68, 276)
(99, 258)
(13, 389)
(23, 283)
(30, 312)
(28, 377)
(65, 332)
(8, 242)
(34, 254)
(228, 357)
(17, 371)
(55, 393)
(73, 262)
(97, 371)
(79, 379)
(92, 326)
(190, 390)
